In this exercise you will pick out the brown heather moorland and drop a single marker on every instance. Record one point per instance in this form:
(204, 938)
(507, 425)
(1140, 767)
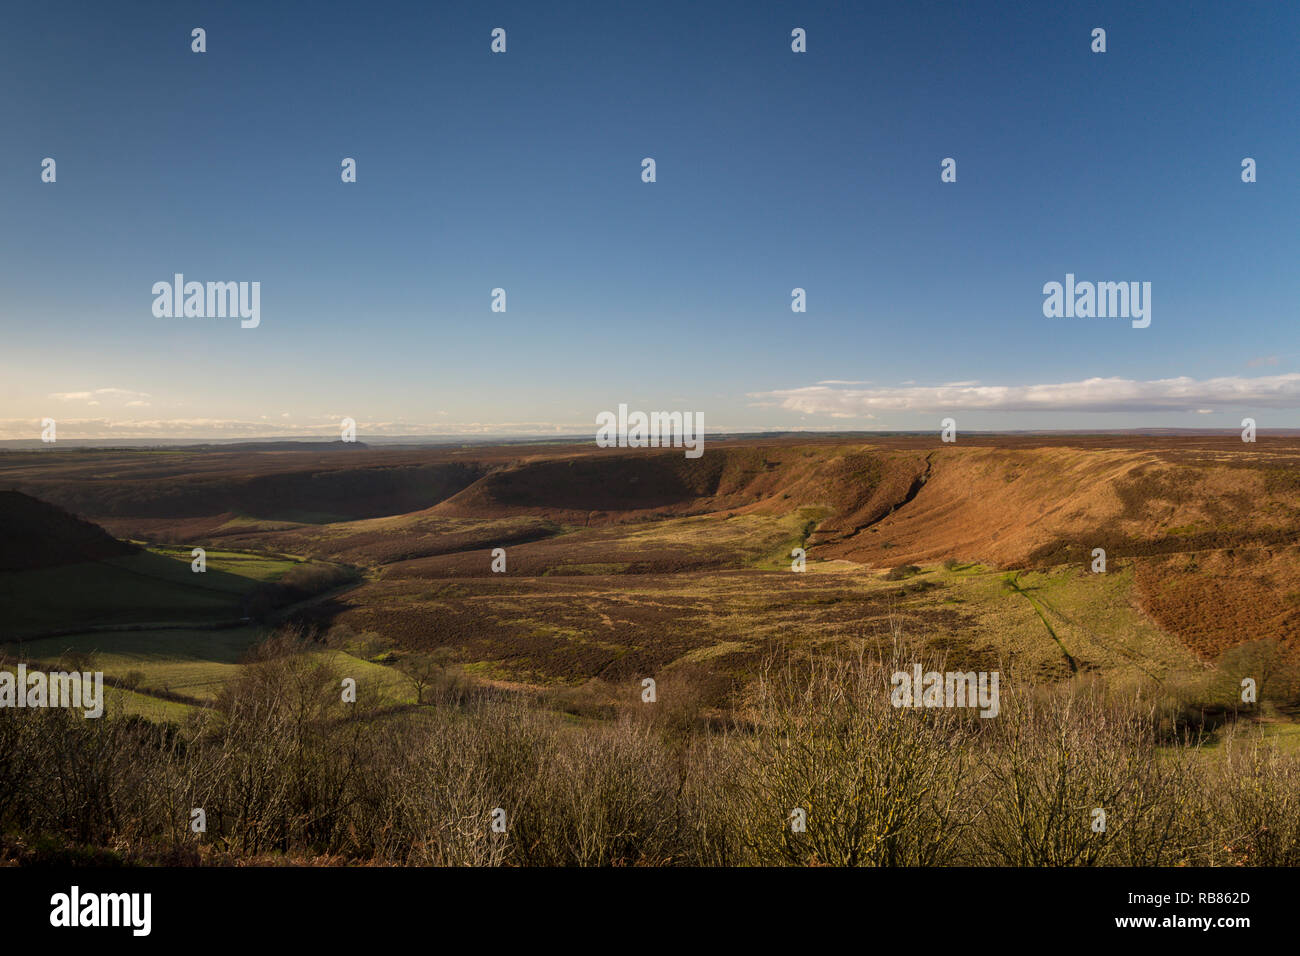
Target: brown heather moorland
(1208, 527)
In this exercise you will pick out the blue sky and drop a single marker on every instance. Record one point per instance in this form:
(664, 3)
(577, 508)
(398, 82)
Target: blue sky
(775, 170)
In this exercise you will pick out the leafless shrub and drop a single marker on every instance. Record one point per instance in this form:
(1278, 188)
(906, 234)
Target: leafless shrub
(1253, 806)
(1060, 761)
(879, 785)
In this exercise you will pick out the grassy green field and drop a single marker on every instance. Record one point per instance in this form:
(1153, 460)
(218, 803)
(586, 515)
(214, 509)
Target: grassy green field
(151, 587)
(153, 625)
(194, 664)
(236, 568)
(119, 700)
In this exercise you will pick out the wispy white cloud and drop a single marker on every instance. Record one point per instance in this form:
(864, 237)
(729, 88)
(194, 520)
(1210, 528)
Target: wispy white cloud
(325, 428)
(98, 395)
(319, 428)
(1088, 395)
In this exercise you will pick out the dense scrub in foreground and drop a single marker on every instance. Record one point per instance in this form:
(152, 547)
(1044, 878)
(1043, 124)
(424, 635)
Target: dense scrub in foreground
(284, 770)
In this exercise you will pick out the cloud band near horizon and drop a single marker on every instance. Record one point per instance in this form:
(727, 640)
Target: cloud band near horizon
(1088, 395)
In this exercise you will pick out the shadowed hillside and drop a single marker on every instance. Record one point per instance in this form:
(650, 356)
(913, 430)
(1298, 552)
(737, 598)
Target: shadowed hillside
(35, 534)
(301, 486)
(852, 485)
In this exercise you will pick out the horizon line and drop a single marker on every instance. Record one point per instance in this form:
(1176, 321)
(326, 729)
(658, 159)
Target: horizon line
(588, 438)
